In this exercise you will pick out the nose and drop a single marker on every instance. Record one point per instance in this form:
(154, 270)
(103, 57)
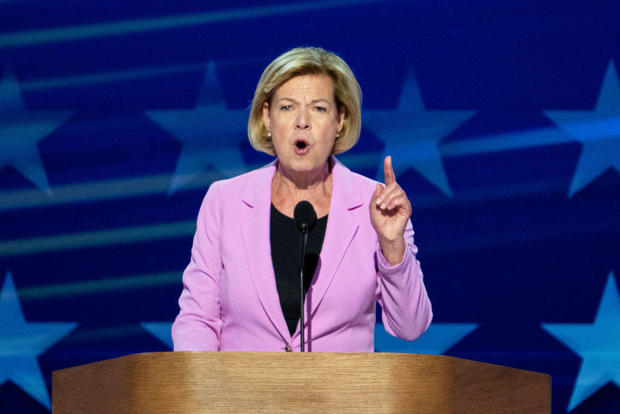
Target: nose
(303, 120)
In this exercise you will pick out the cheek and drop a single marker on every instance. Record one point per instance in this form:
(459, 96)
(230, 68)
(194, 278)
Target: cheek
(329, 133)
(278, 139)
(280, 123)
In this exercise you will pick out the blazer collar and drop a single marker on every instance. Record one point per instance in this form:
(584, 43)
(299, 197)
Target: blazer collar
(256, 231)
(342, 226)
(258, 189)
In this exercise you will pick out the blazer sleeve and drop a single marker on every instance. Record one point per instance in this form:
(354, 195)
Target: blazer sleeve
(198, 325)
(407, 310)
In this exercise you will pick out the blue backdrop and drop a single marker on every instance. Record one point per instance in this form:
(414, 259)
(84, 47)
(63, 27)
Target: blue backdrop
(503, 119)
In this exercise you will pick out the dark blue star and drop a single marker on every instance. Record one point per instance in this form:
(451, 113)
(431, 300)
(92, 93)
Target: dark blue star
(210, 133)
(22, 342)
(597, 343)
(160, 330)
(412, 134)
(21, 131)
(597, 130)
(438, 338)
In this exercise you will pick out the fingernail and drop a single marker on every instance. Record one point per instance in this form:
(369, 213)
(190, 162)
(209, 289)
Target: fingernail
(383, 206)
(379, 201)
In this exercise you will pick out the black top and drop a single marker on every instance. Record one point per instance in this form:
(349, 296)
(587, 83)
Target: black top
(285, 252)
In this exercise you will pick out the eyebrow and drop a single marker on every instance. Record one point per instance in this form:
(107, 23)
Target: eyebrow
(312, 101)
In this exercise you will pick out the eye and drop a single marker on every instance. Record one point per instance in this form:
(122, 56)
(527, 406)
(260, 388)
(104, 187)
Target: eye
(285, 108)
(321, 109)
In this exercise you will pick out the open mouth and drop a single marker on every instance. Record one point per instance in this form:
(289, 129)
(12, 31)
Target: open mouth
(301, 146)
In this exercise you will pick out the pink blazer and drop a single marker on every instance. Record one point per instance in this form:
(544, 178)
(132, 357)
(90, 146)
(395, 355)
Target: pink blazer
(230, 300)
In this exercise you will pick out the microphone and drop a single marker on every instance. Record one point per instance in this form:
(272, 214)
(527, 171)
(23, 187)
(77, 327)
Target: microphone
(305, 219)
(305, 216)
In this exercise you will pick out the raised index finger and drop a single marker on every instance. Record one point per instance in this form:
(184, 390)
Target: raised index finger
(388, 171)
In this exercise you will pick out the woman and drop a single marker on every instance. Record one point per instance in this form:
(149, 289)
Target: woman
(240, 290)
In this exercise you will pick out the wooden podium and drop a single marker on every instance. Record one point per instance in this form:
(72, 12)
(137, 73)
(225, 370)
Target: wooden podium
(218, 382)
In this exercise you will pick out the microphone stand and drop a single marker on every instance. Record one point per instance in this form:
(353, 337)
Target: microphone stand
(305, 217)
(304, 241)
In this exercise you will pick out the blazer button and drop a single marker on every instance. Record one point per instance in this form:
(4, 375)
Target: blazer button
(288, 348)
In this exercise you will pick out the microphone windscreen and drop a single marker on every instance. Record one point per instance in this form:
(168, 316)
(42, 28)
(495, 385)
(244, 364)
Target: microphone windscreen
(304, 215)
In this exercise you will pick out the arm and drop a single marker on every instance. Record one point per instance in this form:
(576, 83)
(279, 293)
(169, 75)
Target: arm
(198, 325)
(402, 295)
(407, 310)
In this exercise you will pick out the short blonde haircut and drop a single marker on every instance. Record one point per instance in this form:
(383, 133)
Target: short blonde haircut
(308, 61)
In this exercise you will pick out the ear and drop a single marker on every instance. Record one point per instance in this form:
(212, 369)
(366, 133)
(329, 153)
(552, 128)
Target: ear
(341, 115)
(266, 120)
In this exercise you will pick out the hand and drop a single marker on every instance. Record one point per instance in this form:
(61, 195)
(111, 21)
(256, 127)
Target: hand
(390, 210)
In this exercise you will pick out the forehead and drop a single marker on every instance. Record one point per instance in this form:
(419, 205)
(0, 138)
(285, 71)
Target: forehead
(315, 86)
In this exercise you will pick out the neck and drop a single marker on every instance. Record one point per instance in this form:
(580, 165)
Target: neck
(287, 189)
(302, 182)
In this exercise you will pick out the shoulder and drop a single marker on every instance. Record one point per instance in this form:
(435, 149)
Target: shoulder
(363, 181)
(366, 186)
(230, 194)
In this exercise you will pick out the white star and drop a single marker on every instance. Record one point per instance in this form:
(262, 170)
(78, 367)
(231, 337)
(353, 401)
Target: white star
(22, 342)
(597, 130)
(21, 131)
(438, 338)
(412, 134)
(160, 330)
(210, 133)
(597, 343)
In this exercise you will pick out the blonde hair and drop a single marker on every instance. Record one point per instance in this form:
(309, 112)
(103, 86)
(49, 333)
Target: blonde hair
(307, 61)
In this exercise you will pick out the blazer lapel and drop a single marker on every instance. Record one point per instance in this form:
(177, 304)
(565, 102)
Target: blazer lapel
(258, 246)
(342, 226)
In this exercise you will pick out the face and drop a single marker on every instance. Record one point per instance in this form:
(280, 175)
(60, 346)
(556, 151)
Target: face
(303, 120)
